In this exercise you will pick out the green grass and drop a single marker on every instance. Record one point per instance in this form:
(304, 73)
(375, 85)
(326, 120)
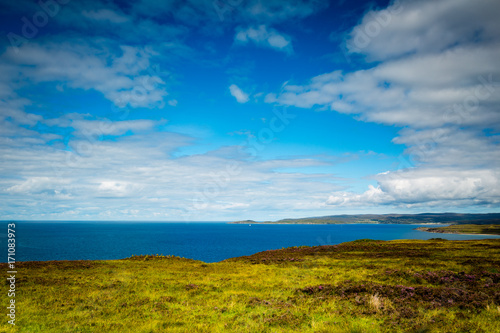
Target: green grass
(361, 286)
(483, 229)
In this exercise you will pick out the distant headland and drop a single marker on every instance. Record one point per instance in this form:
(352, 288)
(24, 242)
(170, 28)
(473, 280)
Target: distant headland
(425, 218)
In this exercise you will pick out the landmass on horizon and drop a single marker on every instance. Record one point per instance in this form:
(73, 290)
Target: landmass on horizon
(424, 218)
(471, 229)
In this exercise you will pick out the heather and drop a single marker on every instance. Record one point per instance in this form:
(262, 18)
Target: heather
(360, 286)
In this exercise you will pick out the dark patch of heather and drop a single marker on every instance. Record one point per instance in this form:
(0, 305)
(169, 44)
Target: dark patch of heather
(470, 297)
(473, 279)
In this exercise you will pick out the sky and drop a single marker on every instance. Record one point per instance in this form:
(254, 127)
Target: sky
(219, 110)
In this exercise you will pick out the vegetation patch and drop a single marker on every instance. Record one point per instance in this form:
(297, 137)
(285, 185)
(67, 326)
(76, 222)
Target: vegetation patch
(482, 229)
(369, 293)
(360, 286)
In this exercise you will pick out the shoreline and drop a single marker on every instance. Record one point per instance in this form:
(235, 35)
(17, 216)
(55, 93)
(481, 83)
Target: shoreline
(345, 223)
(444, 231)
(457, 233)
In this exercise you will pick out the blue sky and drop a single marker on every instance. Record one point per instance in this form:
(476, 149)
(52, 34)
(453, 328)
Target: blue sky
(247, 109)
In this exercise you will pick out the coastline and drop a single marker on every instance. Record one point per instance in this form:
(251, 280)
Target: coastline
(343, 223)
(449, 230)
(456, 233)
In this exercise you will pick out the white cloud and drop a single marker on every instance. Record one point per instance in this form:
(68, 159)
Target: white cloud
(237, 93)
(265, 37)
(454, 87)
(98, 128)
(439, 79)
(84, 166)
(9, 110)
(424, 26)
(435, 58)
(92, 177)
(125, 78)
(432, 187)
(115, 189)
(37, 185)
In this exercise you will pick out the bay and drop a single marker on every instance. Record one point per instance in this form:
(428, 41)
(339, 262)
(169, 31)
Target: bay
(205, 241)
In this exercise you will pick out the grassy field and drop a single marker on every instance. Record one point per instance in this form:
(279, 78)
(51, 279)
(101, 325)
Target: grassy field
(484, 229)
(361, 286)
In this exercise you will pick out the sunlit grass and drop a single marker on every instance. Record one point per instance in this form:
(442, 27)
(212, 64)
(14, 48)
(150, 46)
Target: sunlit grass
(362, 286)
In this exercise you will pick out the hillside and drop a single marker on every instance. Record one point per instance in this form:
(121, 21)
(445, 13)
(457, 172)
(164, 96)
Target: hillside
(361, 286)
(448, 218)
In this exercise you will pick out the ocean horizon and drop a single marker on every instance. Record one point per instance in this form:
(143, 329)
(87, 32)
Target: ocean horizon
(210, 241)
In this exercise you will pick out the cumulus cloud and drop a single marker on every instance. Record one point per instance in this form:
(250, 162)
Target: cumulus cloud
(100, 127)
(81, 165)
(111, 188)
(438, 77)
(90, 176)
(456, 87)
(424, 26)
(125, 77)
(431, 187)
(10, 111)
(264, 37)
(39, 185)
(237, 93)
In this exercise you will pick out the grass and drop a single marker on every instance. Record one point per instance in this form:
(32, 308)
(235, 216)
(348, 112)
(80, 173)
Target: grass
(361, 286)
(483, 229)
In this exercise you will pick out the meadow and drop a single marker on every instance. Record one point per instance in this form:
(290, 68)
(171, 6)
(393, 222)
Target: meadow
(361, 286)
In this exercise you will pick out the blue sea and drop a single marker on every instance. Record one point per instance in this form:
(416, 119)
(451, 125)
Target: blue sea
(206, 241)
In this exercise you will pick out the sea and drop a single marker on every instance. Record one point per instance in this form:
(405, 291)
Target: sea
(205, 241)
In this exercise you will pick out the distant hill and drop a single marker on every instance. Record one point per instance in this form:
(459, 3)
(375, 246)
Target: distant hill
(449, 218)
(244, 222)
